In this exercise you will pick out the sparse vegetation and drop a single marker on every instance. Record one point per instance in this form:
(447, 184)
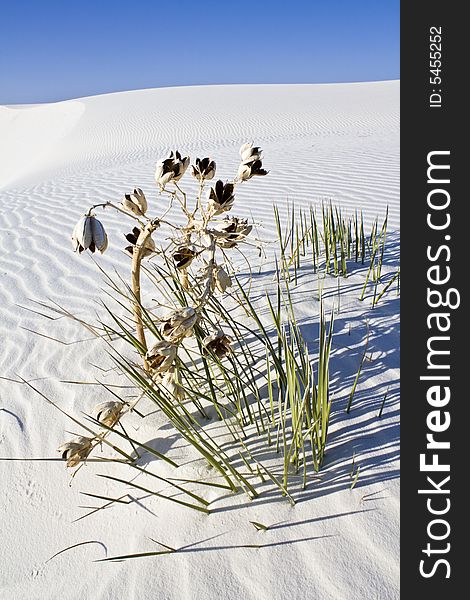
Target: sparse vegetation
(205, 350)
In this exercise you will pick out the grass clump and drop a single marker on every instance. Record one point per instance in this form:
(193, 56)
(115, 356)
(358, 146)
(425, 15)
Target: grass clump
(330, 242)
(242, 389)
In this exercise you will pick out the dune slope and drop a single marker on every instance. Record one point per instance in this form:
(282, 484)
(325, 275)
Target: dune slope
(321, 142)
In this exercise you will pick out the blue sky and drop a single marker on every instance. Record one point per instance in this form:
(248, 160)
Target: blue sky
(52, 50)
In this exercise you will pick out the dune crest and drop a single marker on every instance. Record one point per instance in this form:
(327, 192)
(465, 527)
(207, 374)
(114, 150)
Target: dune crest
(29, 134)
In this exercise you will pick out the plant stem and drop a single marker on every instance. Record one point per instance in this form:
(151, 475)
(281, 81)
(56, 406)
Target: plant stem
(182, 202)
(135, 281)
(210, 274)
(118, 208)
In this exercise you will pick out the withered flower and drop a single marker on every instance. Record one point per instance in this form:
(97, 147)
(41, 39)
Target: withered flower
(248, 153)
(76, 450)
(161, 356)
(204, 168)
(218, 344)
(108, 413)
(178, 324)
(149, 247)
(89, 234)
(229, 232)
(221, 197)
(171, 169)
(183, 256)
(135, 203)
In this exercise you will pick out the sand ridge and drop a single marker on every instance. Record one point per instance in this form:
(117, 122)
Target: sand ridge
(320, 142)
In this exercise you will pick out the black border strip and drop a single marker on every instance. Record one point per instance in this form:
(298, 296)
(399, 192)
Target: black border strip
(428, 128)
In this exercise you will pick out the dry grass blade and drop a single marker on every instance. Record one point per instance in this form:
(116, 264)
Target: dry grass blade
(76, 546)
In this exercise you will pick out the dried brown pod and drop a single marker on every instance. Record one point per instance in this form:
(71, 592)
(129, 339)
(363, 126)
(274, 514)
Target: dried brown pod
(249, 153)
(221, 197)
(222, 279)
(232, 230)
(183, 256)
(76, 450)
(178, 324)
(108, 413)
(160, 356)
(149, 247)
(171, 169)
(135, 203)
(172, 383)
(218, 344)
(203, 169)
(249, 169)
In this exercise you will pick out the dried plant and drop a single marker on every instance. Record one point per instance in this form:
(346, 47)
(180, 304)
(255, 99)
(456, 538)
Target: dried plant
(200, 345)
(197, 251)
(200, 342)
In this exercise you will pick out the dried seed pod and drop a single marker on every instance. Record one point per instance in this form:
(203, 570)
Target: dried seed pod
(164, 172)
(221, 197)
(108, 413)
(248, 153)
(135, 203)
(149, 247)
(203, 169)
(183, 256)
(76, 450)
(251, 164)
(178, 324)
(218, 344)
(170, 169)
(172, 383)
(89, 234)
(161, 356)
(222, 279)
(249, 169)
(229, 232)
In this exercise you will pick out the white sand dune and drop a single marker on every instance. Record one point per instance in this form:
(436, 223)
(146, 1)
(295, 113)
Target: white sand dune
(321, 142)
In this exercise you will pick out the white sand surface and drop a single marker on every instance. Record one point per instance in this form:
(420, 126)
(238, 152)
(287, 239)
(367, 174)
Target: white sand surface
(321, 142)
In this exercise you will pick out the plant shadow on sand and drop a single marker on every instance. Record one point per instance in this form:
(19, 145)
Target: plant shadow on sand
(360, 437)
(161, 444)
(362, 444)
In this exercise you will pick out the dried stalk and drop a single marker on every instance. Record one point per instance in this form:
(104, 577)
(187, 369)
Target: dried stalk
(135, 281)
